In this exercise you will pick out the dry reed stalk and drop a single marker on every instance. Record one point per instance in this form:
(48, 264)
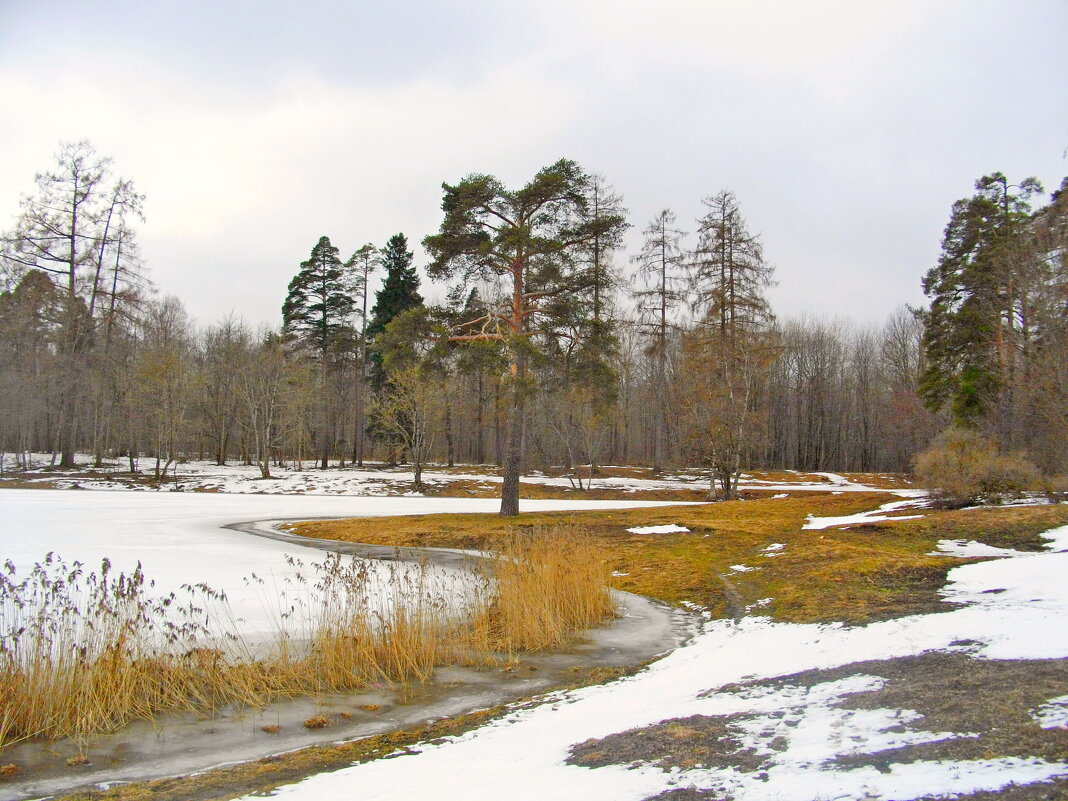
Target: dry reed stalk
(549, 582)
(82, 653)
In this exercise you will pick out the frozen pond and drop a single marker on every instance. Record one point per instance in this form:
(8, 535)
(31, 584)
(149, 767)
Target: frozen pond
(179, 538)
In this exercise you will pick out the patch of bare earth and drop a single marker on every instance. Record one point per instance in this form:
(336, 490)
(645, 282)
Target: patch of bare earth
(987, 702)
(695, 741)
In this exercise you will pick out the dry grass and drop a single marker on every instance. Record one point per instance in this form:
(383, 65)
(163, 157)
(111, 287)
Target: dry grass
(550, 581)
(82, 653)
(855, 574)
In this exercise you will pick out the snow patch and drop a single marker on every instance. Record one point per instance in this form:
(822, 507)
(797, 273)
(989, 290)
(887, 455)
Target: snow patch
(666, 528)
(1053, 714)
(971, 549)
(877, 515)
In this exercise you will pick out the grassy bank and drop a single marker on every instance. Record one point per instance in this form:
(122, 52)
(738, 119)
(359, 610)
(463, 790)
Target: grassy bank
(854, 574)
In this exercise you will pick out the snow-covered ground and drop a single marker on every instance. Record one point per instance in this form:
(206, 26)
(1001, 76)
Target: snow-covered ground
(1010, 608)
(236, 478)
(1013, 607)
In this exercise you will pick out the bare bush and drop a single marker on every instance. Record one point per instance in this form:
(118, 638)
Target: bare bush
(962, 467)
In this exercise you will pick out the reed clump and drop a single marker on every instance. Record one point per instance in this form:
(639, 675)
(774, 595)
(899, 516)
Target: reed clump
(550, 582)
(83, 652)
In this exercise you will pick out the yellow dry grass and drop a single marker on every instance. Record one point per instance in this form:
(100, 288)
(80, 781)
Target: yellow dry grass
(853, 574)
(551, 581)
(87, 654)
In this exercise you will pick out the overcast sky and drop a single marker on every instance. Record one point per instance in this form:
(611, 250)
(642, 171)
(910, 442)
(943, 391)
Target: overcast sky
(846, 129)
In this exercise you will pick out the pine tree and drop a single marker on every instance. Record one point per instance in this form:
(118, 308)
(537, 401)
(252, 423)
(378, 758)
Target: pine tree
(361, 265)
(970, 328)
(531, 239)
(319, 307)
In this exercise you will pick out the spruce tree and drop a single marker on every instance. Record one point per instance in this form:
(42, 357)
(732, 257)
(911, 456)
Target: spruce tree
(318, 313)
(400, 286)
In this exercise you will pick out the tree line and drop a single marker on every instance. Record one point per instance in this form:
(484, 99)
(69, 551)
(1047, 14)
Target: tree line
(552, 348)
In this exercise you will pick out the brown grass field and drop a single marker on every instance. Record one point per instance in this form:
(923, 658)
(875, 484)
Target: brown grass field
(852, 574)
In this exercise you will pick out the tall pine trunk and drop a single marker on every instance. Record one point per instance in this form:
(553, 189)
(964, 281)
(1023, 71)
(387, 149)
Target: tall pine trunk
(513, 455)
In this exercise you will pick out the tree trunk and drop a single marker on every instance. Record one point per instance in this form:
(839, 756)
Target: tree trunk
(450, 445)
(513, 457)
(358, 433)
(480, 452)
(498, 440)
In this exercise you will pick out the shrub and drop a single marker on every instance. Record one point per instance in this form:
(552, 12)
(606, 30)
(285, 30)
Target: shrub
(962, 467)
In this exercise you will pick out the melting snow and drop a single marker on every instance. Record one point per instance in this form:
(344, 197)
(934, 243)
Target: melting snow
(875, 516)
(667, 528)
(1053, 714)
(971, 549)
(238, 478)
(522, 756)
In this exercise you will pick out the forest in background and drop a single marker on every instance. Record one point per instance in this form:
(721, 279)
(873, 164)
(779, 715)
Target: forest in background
(553, 347)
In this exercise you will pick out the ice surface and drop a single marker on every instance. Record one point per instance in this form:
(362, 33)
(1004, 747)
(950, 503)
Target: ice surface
(179, 538)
